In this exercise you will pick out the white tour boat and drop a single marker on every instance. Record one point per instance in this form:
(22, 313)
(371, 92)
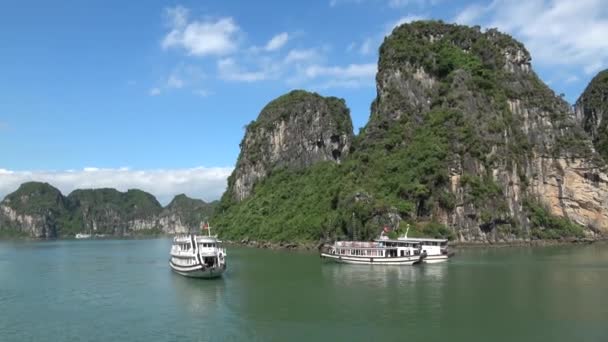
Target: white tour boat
(385, 251)
(198, 256)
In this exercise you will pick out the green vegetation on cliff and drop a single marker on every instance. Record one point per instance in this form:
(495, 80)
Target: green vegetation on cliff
(191, 211)
(593, 107)
(299, 101)
(40, 210)
(36, 198)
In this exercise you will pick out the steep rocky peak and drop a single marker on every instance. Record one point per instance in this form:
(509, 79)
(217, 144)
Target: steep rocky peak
(503, 125)
(33, 209)
(182, 201)
(424, 44)
(591, 109)
(34, 197)
(293, 131)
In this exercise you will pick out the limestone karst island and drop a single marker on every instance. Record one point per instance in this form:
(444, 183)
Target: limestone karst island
(464, 141)
(358, 171)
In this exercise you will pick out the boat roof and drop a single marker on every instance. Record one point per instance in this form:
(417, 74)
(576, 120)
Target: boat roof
(200, 238)
(398, 241)
(206, 238)
(422, 240)
(411, 240)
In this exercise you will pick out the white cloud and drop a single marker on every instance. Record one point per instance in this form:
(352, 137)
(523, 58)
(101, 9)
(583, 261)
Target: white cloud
(229, 70)
(350, 71)
(389, 3)
(405, 3)
(470, 14)
(177, 16)
(200, 38)
(277, 42)
(572, 79)
(154, 92)
(350, 76)
(403, 20)
(207, 183)
(334, 3)
(202, 92)
(371, 44)
(557, 32)
(175, 82)
(181, 77)
(593, 67)
(302, 56)
(366, 47)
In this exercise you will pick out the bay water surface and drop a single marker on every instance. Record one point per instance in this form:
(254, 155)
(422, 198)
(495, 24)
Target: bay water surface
(123, 290)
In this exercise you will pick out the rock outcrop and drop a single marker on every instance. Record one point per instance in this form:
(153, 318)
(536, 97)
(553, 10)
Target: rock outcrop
(39, 210)
(185, 214)
(109, 211)
(517, 138)
(293, 131)
(591, 109)
(464, 140)
(35, 209)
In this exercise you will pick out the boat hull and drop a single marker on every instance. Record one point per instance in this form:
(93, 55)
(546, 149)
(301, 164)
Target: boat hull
(198, 271)
(396, 261)
(435, 259)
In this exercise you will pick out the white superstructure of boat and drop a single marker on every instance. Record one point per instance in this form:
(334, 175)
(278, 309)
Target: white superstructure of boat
(386, 251)
(198, 256)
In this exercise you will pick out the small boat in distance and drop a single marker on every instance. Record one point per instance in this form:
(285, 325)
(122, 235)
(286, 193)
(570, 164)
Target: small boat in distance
(82, 236)
(386, 251)
(198, 256)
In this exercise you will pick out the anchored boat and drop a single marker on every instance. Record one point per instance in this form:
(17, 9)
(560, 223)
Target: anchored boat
(198, 256)
(386, 251)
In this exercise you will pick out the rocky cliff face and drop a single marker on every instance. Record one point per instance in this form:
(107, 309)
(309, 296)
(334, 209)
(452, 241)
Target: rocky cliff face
(35, 210)
(464, 140)
(516, 146)
(591, 107)
(293, 131)
(41, 211)
(185, 214)
(108, 211)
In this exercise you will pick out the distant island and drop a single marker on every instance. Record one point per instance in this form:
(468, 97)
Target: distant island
(464, 141)
(39, 210)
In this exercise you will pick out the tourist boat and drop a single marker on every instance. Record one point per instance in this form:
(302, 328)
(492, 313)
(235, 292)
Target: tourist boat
(198, 256)
(386, 251)
(82, 236)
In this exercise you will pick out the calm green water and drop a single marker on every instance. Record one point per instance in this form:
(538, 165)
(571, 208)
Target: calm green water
(123, 290)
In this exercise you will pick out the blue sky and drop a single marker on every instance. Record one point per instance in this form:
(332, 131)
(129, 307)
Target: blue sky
(155, 94)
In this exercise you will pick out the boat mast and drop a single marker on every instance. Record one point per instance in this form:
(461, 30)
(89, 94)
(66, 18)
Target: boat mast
(206, 226)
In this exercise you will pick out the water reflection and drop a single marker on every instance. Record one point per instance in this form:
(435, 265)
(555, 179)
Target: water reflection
(382, 276)
(198, 295)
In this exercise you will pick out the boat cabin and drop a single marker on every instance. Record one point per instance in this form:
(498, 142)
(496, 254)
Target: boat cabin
(429, 246)
(397, 248)
(377, 249)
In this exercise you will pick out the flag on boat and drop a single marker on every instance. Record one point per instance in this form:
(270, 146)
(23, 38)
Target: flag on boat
(205, 226)
(386, 229)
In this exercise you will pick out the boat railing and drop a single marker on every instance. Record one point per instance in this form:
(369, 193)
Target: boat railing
(358, 244)
(178, 251)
